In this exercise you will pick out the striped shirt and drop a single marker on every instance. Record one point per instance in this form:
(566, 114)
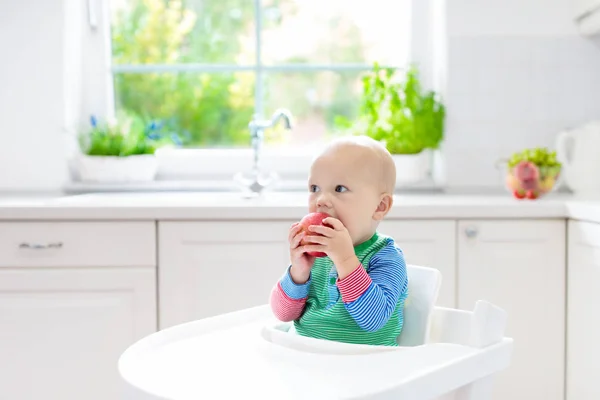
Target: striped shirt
(366, 307)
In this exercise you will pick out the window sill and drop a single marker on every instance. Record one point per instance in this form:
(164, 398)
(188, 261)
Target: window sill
(213, 170)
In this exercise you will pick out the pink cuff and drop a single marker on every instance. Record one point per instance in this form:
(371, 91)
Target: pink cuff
(354, 285)
(285, 308)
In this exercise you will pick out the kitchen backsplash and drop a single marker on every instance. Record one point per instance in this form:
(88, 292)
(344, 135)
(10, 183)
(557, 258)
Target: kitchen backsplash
(505, 93)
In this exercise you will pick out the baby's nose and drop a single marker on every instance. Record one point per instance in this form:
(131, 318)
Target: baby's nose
(324, 200)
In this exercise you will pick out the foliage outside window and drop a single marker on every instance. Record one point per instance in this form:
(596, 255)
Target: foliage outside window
(194, 65)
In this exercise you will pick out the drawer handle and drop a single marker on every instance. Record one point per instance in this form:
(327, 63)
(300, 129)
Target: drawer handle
(471, 232)
(35, 246)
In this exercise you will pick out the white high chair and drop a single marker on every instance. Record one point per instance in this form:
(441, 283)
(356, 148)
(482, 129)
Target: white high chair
(443, 354)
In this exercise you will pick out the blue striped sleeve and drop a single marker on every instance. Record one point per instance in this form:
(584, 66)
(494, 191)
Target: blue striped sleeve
(389, 281)
(293, 290)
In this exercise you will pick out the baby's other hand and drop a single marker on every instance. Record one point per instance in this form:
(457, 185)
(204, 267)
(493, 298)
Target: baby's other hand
(301, 262)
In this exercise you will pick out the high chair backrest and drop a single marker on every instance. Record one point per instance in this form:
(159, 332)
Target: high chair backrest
(423, 287)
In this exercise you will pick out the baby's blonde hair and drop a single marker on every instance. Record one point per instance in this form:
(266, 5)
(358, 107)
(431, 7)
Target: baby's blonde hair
(384, 163)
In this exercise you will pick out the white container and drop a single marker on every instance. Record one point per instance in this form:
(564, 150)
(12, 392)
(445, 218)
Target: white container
(112, 169)
(578, 149)
(412, 168)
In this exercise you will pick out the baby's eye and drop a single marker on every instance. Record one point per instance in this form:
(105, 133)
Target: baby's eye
(313, 188)
(340, 188)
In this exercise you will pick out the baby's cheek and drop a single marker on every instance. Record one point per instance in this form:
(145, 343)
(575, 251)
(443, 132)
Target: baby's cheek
(348, 222)
(312, 203)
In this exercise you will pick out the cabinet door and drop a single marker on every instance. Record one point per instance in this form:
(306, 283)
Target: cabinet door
(429, 244)
(520, 266)
(211, 268)
(583, 320)
(63, 330)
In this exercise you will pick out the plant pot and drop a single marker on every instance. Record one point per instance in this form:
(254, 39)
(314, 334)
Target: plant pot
(112, 169)
(412, 168)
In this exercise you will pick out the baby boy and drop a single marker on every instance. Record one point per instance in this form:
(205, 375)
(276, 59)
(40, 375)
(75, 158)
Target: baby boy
(356, 293)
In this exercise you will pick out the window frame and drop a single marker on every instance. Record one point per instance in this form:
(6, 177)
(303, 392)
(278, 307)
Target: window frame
(426, 49)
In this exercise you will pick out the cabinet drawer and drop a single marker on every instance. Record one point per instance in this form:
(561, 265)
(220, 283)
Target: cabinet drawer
(77, 244)
(229, 232)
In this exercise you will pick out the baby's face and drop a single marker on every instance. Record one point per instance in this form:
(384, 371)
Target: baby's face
(343, 184)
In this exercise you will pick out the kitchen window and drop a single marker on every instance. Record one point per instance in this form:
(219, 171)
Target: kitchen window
(206, 67)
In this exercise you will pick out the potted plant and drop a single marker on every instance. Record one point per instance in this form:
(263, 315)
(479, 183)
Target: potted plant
(121, 150)
(409, 121)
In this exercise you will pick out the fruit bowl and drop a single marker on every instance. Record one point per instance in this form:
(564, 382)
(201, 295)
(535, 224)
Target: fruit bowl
(532, 173)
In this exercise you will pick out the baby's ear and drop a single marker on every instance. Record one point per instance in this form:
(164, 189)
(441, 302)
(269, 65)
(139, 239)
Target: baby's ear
(384, 206)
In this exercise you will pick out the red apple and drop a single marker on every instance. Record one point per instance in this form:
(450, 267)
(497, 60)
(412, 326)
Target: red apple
(527, 171)
(313, 219)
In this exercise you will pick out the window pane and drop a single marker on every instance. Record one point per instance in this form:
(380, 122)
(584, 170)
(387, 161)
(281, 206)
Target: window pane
(314, 99)
(208, 110)
(176, 31)
(336, 31)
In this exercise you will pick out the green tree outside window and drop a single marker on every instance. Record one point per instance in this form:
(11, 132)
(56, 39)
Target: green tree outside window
(212, 109)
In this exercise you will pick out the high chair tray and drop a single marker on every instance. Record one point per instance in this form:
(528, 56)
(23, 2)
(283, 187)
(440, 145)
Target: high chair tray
(248, 355)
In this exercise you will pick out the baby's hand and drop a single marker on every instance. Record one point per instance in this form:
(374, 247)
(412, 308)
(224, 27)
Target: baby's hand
(301, 262)
(335, 241)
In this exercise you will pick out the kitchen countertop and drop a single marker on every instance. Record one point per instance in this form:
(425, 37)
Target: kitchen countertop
(229, 205)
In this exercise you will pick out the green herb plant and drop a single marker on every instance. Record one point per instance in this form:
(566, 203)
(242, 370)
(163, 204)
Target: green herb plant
(399, 113)
(128, 135)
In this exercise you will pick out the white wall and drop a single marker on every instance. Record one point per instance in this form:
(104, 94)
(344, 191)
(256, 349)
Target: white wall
(32, 90)
(517, 74)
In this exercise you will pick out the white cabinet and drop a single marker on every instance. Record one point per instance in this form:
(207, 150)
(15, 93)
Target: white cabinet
(583, 304)
(212, 267)
(520, 266)
(430, 244)
(63, 330)
(73, 297)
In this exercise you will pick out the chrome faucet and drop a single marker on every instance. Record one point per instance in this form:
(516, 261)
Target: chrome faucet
(257, 182)
(257, 128)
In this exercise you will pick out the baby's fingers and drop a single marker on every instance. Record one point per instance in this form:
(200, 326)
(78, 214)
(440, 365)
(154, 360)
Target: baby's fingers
(322, 230)
(298, 252)
(295, 241)
(316, 239)
(294, 231)
(313, 248)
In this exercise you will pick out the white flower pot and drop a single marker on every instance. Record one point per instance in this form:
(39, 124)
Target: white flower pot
(412, 168)
(111, 169)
